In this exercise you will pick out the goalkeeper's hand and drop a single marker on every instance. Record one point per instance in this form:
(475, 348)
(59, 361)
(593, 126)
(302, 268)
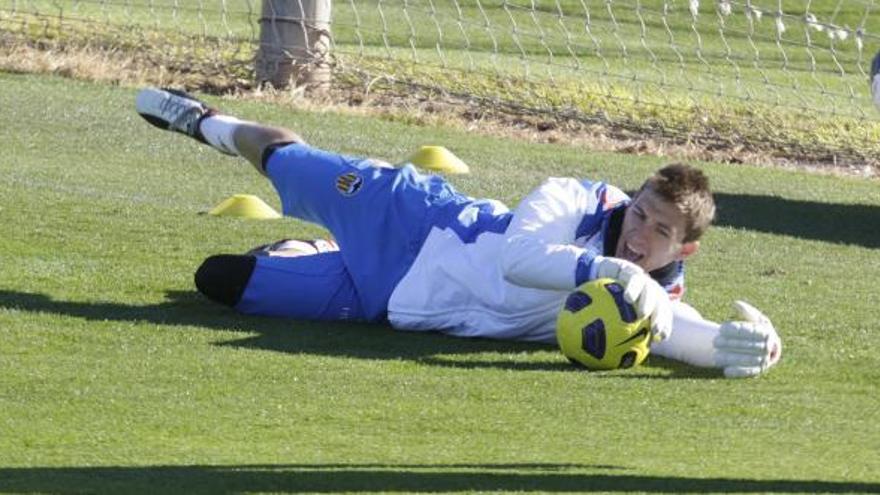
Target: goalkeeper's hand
(748, 347)
(641, 291)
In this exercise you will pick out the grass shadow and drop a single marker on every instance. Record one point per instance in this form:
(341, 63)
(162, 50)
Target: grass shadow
(854, 224)
(672, 370)
(358, 340)
(427, 478)
(353, 340)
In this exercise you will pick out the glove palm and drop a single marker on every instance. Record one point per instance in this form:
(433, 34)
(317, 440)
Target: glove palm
(747, 347)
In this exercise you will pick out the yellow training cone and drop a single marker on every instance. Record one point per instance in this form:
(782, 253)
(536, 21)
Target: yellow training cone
(439, 159)
(245, 206)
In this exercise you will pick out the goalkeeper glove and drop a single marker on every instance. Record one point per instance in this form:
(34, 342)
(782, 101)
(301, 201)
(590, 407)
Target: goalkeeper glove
(748, 347)
(640, 290)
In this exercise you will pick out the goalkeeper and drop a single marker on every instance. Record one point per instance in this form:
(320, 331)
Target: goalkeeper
(413, 251)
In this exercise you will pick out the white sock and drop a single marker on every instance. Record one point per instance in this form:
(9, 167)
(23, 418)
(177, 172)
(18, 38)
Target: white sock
(218, 131)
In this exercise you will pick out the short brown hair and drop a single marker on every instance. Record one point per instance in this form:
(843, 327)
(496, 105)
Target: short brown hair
(687, 188)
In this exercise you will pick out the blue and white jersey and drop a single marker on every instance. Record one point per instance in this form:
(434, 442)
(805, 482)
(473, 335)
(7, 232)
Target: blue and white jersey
(487, 272)
(417, 252)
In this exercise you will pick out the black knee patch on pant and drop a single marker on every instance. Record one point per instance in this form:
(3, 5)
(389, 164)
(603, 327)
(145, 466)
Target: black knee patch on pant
(223, 278)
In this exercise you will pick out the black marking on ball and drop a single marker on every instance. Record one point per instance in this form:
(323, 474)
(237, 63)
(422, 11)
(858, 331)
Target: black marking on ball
(577, 301)
(626, 310)
(593, 339)
(641, 334)
(628, 360)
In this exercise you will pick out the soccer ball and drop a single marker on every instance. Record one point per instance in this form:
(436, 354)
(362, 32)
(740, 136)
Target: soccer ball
(599, 330)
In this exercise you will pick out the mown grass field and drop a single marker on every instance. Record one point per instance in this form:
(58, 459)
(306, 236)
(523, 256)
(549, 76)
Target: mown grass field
(788, 79)
(116, 377)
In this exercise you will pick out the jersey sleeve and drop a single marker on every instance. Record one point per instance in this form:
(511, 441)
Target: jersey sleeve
(692, 338)
(539, 247)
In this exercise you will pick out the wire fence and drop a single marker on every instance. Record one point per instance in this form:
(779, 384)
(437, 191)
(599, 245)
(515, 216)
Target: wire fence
(788, 77)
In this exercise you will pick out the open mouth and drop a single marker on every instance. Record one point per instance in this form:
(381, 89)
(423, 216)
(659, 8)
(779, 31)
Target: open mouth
(628, 253)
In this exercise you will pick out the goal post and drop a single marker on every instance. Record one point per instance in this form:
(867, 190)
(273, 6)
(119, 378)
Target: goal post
(294, 44)
(780, 78)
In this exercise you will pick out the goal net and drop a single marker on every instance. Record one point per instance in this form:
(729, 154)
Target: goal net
(784, 75)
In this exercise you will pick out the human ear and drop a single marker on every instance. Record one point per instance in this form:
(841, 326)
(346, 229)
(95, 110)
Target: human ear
(688, 249)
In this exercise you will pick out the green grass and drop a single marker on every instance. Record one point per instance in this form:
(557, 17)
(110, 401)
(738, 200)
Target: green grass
(115, 376)
(647, 65)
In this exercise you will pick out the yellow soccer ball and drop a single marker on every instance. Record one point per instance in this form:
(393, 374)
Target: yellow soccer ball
(598, 329)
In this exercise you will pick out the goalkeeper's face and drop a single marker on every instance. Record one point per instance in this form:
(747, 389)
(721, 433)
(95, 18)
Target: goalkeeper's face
(653, 232)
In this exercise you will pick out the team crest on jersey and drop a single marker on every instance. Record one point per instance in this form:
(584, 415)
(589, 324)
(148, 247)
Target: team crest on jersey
(349, 184)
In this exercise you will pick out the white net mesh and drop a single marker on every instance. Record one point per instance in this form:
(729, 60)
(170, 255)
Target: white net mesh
(654, 50)
(741, 72)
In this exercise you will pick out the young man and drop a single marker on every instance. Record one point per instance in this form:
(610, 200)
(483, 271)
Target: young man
(413, 251)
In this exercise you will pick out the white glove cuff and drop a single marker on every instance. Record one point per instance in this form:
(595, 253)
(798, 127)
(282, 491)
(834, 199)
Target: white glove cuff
(594, 267)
